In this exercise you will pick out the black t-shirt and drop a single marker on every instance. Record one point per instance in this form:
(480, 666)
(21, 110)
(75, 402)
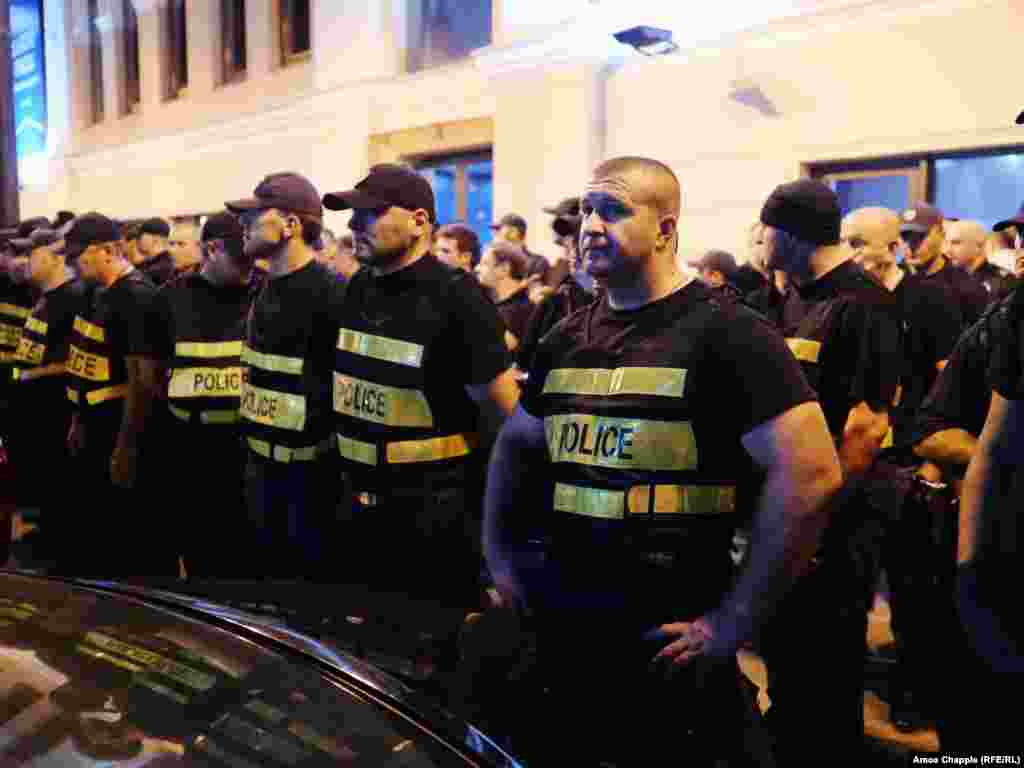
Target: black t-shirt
(1006, 371)
(296, 316)
(846, 331)
(515, 312)
(568, 298)
(51, 322)
(931, 325)
(15, 305)
(970, 293)
(767, 301)
(998, 283)
(686, 377)
(128, 311)
(159, 269)
(218, 312)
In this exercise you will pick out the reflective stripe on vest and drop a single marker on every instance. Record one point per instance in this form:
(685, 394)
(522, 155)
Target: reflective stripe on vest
(408, 451)
(804, 350)
(97, 396)
(887, 441)
(603, 382)
(205, 382)
(89, 330)
(37, 326)
(13, 310)
(390, 406)
(620, 443)
(667, 500)
(87, 366)
(380, 348)
(29, 351)
(273, 409)
(284, 454)
(10, 335)
(208, 350)
(206, 417)
(272, 363)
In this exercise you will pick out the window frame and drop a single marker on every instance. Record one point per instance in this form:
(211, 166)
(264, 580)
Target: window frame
(416, 55)
(176, 49)
(132, 80)
(97, 92)
(462, 161)
(233, 37)
(285, 16)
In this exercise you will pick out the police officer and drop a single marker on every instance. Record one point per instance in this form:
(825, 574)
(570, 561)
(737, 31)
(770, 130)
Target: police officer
(289, 356)
(718, 269)
(205, 314)
(988, 555)
(845, 330)
(113, 367)
(923, 232)
(42, 382)
(422, 382)
(157, 263)
(575, 291)
(642, 414)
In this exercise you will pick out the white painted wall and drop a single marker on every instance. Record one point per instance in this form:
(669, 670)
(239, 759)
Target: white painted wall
(870, 79)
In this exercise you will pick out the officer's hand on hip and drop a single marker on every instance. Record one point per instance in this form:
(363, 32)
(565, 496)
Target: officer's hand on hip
(689, 640)
(122, 469)
(510, 592)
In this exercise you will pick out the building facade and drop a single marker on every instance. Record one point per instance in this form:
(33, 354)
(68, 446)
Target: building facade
(170, 107)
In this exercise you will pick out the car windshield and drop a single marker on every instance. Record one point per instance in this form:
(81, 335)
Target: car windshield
(91, 677)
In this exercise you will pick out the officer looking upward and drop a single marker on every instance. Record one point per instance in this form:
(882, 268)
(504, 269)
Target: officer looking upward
(845, 330)
(288, 353)
(113, 367)
(204, 315)
(642, 414)
(422, 383)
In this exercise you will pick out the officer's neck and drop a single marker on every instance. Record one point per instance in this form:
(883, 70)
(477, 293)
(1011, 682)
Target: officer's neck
(824, 260)
(977, 264)
(418, 250)
(505, 289)
(645, 288)
(59, 278)
(893, 277)
(115, 272)
(936, 265)
(290, 260)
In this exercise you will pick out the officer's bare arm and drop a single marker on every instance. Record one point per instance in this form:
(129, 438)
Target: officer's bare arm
(497, 400)
(989, 475)
(43, 371)
(949, 446)
(519, 450)
(802, 474)
(142, 382)
(862, 439)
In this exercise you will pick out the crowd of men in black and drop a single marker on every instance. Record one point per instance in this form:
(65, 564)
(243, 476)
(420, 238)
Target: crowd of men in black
(652, 471)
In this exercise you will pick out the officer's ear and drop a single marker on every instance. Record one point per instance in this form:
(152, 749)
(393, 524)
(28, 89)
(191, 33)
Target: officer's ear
(667, 232)
(421, 221)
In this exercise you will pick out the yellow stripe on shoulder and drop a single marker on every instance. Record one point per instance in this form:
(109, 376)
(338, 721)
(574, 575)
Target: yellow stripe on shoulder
(804, 350)
(90, 330)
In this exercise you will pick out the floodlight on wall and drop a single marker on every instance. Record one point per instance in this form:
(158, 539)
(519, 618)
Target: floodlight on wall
(650, 41)
(1020, 119)
(749, 94)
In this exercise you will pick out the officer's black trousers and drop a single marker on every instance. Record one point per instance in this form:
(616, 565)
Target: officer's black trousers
(203, 486)
(292, 510)
(814, 649)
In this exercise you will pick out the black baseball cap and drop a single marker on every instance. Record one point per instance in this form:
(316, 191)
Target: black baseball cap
(388, 185)
(289, 192)
(511, 220)
(51, 238)
(570, 206)
(222, 226)
(23, 241)
(155, 226)
(722, 261)
(1014, 221)
(921, 218)
(91, 229)
(806, 209)
(567, 226)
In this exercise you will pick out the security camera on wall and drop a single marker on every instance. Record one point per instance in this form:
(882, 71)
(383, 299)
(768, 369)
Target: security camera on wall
(1020, 119)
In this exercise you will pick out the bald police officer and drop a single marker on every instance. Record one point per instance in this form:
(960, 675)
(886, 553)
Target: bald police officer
(646, 417)
(422, 382)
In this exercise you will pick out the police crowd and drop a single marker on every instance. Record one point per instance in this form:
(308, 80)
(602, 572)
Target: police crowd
(652, 471)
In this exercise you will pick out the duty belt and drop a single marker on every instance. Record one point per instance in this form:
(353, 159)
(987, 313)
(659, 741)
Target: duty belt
(645, 500)
(286, 454)
(407, 451)
(205, 417)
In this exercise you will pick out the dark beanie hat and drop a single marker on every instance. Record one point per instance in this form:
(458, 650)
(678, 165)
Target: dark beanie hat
(806, 209)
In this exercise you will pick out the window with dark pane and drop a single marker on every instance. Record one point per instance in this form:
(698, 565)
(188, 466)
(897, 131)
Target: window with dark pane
(447, 30)
(233, 40)
(95, 61)
(130, 41)
(296, 35)
(177, 48)
(463, 187)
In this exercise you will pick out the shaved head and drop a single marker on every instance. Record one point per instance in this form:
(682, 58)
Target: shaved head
(872, 236)
(653, 182)
(965, 243)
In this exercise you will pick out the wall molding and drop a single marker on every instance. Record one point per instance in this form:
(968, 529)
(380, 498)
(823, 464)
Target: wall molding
(438, 138)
